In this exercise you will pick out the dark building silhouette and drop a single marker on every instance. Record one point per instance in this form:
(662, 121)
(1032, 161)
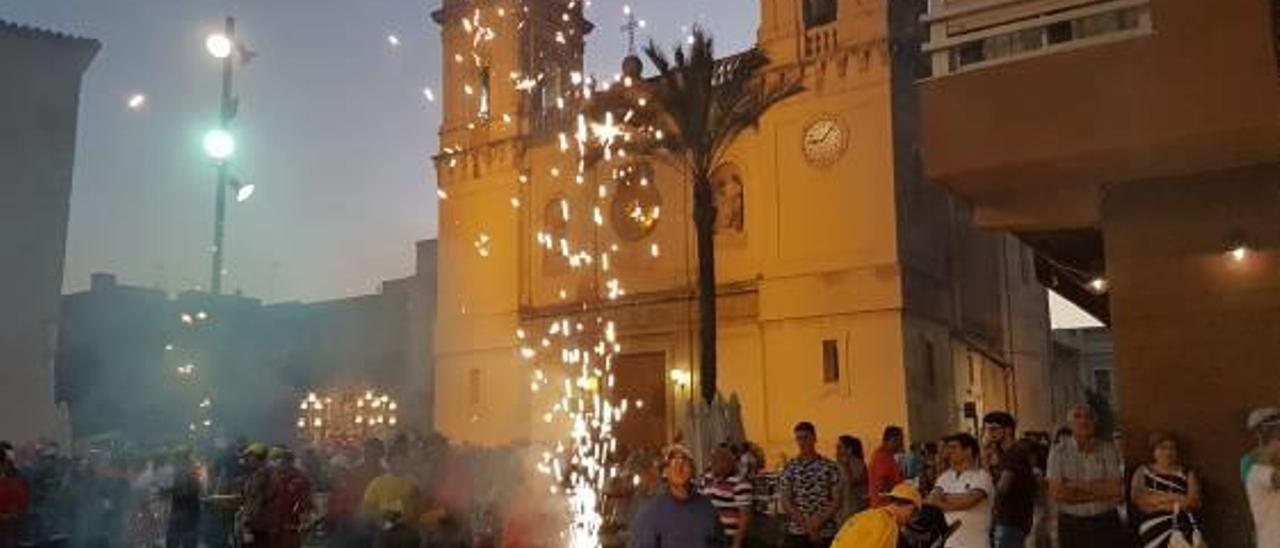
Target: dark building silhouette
(40, 74)
(135, 364)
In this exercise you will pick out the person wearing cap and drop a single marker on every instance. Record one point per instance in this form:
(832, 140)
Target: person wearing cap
(1011, 463)
(1258, 421)
(879, 527)
(680, 517)
(1263, 485)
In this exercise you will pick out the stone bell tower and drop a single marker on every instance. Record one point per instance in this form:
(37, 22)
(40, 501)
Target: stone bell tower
(508, 65)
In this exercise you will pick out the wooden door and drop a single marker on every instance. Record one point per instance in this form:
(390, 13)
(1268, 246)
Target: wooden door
(641, 377)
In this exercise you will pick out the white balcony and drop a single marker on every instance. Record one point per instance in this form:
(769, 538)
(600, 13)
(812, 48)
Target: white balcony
(970, 34)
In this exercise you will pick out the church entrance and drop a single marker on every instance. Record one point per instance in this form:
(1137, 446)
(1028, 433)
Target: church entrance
(641, 377)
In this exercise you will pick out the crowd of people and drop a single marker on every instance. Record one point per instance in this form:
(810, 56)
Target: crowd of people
(1002, 491)
(407, 492)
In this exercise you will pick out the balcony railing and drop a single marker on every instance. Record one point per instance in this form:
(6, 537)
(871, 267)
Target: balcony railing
(970, 34)
(820, 41)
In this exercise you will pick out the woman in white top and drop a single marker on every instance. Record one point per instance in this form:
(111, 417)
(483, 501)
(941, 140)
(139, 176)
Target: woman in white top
(964, 492)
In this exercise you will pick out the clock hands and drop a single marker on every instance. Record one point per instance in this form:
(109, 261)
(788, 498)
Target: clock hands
(814, 141)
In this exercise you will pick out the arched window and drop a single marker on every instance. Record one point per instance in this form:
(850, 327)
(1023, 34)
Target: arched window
(485, 97)
(555, 225)
(819, 12)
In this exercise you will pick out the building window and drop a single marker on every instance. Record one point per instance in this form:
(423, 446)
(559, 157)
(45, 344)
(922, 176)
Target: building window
(485, 98)
(555, 225)
(1026, 40)
(1102, 382)
(970, 53)
(819, 12)
(830, 361)
(1058, 33)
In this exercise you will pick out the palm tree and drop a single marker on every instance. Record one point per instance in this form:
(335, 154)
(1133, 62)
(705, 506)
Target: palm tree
(703, 106)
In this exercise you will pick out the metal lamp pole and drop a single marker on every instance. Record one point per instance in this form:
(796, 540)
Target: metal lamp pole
(226, 113)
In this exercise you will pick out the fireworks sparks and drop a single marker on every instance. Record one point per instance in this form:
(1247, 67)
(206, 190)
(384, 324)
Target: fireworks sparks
(570, 359)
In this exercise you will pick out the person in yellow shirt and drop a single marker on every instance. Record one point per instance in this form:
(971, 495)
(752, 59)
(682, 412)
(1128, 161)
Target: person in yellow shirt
(878, 527)
(394, 501)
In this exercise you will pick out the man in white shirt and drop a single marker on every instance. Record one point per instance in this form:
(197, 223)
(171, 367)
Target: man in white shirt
(1263, 487)
(965, 493)
(1086, 484)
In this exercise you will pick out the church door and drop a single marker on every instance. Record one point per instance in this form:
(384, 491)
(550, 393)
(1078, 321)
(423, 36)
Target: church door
(641, 377)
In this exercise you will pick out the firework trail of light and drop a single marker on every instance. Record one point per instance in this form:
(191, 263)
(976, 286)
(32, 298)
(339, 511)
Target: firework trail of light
(571, 363)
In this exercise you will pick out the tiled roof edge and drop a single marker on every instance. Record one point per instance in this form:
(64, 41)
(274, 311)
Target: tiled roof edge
(28, 31)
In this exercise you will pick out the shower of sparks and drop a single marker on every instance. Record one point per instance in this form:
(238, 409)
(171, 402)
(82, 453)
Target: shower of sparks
(571, 361)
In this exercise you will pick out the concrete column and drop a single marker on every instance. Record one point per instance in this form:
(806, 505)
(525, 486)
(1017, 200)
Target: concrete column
(1197, 332)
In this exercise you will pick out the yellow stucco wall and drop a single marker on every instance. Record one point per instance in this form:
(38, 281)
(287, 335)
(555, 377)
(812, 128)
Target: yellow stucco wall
(817, 259)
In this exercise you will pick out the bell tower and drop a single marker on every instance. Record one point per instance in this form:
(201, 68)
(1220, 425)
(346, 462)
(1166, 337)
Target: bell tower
(508, 68)
(506, 62)
(792, 31)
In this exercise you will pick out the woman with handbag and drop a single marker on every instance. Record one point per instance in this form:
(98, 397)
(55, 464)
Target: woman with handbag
(1167, 496)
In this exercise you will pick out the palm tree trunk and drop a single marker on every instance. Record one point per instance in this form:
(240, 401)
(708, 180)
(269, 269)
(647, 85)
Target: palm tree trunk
(704, 219)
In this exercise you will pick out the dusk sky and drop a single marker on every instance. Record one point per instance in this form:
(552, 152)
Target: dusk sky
(334, 130)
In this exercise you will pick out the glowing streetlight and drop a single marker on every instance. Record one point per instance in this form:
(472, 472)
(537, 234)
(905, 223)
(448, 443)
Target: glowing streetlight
(1239, 253)
(243, 190)
(219, 144)
(219, 45)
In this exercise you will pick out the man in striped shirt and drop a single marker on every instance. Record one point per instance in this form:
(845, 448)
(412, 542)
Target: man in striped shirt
(730, 494)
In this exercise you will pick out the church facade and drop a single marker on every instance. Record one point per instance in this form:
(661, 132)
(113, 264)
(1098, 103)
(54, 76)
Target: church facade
(852, 293)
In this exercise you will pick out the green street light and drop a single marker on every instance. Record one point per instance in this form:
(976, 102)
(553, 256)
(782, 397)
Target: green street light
(219, 144)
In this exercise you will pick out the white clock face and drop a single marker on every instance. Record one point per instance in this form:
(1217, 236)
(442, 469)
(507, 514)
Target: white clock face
(824, 141)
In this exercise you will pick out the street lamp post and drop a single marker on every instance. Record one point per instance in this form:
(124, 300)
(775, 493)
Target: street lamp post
(220, 145)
